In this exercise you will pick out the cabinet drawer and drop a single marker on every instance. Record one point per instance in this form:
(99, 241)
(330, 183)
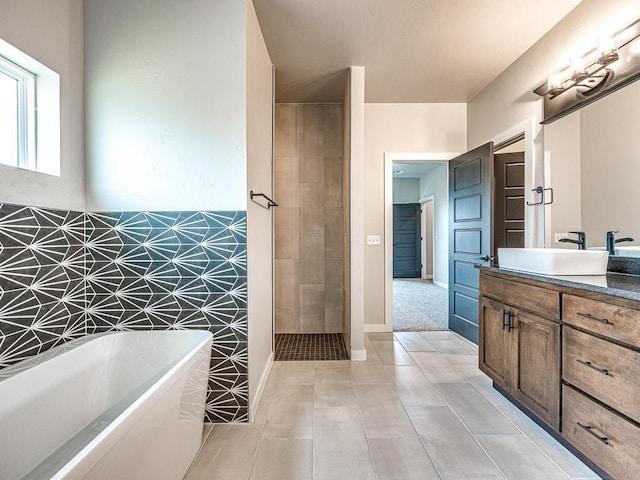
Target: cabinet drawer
(609, 440)
(619, 323)
(602, 369)
(542, 301)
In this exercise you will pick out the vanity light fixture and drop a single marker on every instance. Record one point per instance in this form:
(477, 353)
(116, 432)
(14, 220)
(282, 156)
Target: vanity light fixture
(611, 64)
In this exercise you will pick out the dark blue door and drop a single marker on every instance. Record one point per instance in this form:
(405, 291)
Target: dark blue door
(470, 235)
(406, 241)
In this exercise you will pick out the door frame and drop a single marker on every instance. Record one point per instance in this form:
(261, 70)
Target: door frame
(533, 175)
(389, 158)
(423, 232)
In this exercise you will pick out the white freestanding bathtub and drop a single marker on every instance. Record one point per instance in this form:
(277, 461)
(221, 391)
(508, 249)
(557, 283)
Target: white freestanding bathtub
(126, 405)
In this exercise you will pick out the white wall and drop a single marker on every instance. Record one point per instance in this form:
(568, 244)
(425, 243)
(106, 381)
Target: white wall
(259, 220)
(436, 183)
(406, 190)
(399, 128)
(166, 104)
(358, 209)
(346, 210)
(50, 32)
(509, 99)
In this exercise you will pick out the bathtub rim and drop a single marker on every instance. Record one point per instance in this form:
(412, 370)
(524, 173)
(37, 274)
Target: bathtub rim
(38, 359)
(89, 452)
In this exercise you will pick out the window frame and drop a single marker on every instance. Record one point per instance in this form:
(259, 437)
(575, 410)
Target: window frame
(42, 96)
(26, 112)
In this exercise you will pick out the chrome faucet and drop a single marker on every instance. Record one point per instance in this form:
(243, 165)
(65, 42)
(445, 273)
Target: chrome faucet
(581, 241)
(612, 240)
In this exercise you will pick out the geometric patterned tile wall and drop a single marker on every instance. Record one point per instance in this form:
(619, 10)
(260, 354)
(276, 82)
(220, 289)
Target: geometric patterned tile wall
(42, 267)
(67, 274)
(176, 270)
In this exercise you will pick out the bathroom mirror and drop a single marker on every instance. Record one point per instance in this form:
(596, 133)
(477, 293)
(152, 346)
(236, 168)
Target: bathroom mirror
(592, 162)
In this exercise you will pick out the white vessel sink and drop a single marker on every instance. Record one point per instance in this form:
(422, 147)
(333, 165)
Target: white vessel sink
(554, 261)
(632, 251)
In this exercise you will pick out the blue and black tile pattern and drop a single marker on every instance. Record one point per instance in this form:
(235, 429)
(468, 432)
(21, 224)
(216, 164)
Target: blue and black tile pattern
(67, 274)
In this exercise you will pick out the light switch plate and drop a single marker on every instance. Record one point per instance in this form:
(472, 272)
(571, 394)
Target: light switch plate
(373, 239)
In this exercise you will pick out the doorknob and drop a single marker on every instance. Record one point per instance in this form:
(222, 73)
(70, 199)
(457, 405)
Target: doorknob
(485, 258)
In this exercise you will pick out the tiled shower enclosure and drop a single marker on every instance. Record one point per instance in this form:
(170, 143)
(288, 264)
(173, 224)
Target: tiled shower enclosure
(66, 274)
(309, 222)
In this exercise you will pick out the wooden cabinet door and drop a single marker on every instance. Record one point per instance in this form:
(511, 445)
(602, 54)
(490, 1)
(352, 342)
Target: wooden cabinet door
(494, 348)
(535, 380)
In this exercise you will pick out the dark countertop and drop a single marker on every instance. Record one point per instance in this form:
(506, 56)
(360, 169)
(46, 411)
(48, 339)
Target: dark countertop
(616, 284)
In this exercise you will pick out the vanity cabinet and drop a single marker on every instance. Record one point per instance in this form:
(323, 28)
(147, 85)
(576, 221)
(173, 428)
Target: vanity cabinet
(520, 343)
(571, 356)
(601, 383)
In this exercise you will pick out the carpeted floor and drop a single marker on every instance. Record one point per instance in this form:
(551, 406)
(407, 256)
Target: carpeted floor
(310, 346)
(419, 305)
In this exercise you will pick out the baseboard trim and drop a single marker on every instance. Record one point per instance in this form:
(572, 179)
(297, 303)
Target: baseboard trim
(440, 284)
(255, 401)
(358, 355)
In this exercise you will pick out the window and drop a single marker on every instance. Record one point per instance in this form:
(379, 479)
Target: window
(17, 117)
(29, 112)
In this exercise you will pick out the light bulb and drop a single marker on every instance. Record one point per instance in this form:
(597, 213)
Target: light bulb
(554, 83)
(606, 50)
(578, 68)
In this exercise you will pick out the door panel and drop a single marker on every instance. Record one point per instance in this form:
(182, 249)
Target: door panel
(494, 349)
(470, 234)
(509, 201)
(536, 376)
(406, 241)
(465, 274)
(468, 208)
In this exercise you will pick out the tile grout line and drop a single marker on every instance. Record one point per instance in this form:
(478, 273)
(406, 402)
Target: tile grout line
(519, 429)
(465, 425)
(507, 418)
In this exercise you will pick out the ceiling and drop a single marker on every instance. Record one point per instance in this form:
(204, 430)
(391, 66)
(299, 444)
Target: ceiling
(413, 51)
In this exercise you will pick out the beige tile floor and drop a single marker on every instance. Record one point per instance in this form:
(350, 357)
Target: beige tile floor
(418, 408)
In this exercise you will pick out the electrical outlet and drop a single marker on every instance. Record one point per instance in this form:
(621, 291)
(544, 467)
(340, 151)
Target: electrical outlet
(373, 240)
(558, 236)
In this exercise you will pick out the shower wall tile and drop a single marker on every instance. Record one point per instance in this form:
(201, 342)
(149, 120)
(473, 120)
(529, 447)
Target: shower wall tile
(285, 182)
(286, 142)
(312, 208)
(333, 237)
(67, 274)
(287, 321)
(312, 164)
(333, 321)
(309, 178)
(286, 229)
(332, 130)
(312, 308)
(287, 281)
(311, 259)
(333, 182)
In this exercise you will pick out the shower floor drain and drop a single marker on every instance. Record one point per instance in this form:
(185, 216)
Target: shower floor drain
(310, 346)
